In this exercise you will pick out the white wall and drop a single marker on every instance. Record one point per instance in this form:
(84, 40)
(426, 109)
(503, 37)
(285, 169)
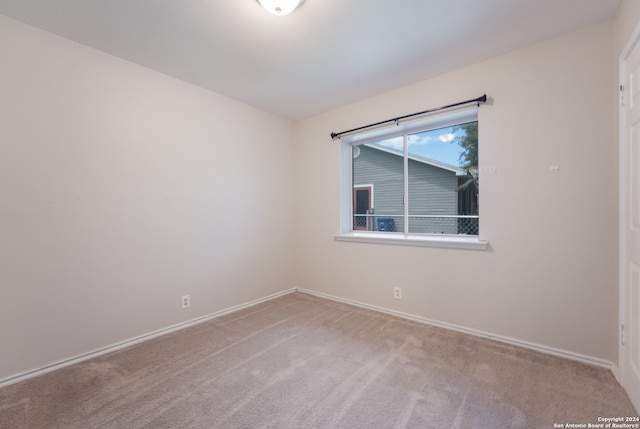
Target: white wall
(550, 275)
(122, 189)
(627, 18)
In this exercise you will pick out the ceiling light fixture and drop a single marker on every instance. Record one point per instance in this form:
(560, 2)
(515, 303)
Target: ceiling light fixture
(280, 7)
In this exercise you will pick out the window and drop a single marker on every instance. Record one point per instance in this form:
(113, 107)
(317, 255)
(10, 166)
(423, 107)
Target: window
(425, 177)
(362, 205)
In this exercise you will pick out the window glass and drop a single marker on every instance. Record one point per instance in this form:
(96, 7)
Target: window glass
(381, 166)
(422, 182)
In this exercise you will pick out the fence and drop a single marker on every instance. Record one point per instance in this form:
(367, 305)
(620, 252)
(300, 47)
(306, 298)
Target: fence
(418, 224)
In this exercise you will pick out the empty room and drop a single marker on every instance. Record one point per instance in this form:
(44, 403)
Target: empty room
(268, 214)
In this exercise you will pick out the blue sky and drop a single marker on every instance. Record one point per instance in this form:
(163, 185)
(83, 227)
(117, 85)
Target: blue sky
(436, 144)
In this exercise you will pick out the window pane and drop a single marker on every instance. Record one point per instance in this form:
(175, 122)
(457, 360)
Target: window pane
(443, 182)
(378, 186)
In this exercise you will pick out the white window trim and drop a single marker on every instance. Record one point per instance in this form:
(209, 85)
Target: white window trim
(445, 241)
(347, 234)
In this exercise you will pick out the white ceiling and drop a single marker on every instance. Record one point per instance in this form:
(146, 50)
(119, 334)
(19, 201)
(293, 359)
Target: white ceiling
(324, 55)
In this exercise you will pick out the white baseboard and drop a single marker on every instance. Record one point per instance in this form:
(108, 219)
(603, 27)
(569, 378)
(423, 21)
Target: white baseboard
(525, 344)
(132, 341)
(146, 337)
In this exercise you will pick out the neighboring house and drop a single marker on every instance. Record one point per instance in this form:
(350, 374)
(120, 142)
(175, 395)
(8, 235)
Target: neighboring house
(435, 203)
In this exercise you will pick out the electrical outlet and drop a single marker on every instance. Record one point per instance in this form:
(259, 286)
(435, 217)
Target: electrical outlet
(397, 293)
(186, 301)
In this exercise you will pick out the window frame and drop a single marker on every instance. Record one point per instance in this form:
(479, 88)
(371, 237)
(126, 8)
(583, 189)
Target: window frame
(430, 122)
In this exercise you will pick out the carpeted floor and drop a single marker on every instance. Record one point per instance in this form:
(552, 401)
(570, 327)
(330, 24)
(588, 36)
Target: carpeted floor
(304, 362)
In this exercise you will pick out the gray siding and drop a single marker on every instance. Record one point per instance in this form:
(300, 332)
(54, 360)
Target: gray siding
(432, 190)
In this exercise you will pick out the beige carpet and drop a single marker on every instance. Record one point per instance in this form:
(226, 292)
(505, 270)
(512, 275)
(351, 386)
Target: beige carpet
(304, 362)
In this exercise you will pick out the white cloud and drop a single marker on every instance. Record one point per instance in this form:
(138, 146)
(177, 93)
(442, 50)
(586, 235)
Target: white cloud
(445, 138)
(419, 139)
(394, 143)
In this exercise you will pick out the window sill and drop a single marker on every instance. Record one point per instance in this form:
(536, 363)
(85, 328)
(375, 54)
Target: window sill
(446, 241)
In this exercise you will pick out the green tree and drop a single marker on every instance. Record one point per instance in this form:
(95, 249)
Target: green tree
(467, 139)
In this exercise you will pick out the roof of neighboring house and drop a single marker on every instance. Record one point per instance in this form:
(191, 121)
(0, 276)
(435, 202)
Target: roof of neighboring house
(457, 170)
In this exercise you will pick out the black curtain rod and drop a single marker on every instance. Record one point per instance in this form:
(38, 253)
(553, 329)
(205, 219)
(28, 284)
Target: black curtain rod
(475, 100)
